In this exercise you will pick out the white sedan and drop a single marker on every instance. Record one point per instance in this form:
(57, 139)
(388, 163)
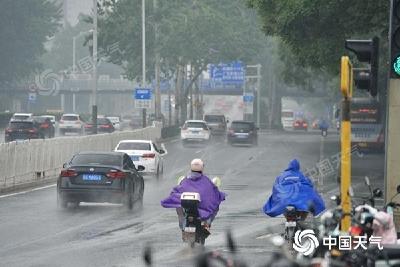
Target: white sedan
(145, 153)
(195, 130)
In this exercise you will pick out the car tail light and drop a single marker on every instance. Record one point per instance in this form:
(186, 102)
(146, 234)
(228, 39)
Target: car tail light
(105, 126)
(149, 155)
(8, 130)
(68, 173)
(116, 174)
(305, 124)
(45, 125)
(32, 130)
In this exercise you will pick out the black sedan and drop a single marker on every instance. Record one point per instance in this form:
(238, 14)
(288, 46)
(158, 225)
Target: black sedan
(242, 132)
(100, 177)
(22, 130)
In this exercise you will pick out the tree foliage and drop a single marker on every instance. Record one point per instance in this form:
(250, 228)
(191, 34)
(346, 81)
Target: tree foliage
(315, 30)
(196, 31)
(24, 27)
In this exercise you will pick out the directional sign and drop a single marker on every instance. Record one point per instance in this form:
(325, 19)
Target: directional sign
(142, 93)
(248, 98)
(231, 73)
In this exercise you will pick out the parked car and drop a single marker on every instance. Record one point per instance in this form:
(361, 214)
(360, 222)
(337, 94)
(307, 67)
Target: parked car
(195, 131)
(45, 126)
(70, 123)
(145, 153)
(300, 124)
(242, 132)
(104, 125)
(216, 123)
(100, 177)
(21, 116)
(115, 122)
(22, 130)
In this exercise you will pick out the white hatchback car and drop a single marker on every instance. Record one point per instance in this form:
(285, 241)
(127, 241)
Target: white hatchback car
(145, 153)
(195, 130)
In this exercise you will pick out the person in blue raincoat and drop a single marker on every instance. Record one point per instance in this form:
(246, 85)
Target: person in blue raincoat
(292, 187)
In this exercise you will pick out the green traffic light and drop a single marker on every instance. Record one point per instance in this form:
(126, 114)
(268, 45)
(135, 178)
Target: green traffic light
(396, 65)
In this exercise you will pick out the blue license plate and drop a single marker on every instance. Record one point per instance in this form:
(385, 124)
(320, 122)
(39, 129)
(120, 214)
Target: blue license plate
(91, 177)
(135, 158)
(195, 132)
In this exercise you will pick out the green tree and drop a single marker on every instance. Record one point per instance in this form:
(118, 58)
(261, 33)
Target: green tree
(315, 30)
(25, 25)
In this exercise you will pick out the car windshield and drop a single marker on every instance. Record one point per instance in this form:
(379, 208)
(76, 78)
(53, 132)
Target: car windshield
(69, 118)
(20, 117)
(241, 126)
(113, 119)
(214, 118)
(21, 125)
(96, 159)
(134, 146)
(193, 124)
(39, 119)
(103, 121)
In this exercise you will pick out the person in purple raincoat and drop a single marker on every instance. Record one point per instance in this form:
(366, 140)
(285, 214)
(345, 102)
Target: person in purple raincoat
(196, 181)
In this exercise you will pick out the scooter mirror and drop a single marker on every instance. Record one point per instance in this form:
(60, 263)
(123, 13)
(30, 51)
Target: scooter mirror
(367, 181)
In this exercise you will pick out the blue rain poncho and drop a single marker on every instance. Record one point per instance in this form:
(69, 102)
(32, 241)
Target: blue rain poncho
(293, 188)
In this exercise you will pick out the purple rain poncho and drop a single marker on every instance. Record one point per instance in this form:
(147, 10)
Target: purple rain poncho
(293, 188)
(210, 196)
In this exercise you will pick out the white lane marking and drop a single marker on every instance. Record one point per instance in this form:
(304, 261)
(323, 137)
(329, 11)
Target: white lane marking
(198, 151)
(28, 191)
(172, 141)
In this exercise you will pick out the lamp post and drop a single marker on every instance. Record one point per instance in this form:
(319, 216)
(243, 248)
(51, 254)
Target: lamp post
(94, 92)
(143, 56)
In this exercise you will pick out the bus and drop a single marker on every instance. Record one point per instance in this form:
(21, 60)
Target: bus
(367, 125)
(287, 118)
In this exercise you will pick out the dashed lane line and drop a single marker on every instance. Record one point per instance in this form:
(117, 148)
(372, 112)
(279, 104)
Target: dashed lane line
(28, 191)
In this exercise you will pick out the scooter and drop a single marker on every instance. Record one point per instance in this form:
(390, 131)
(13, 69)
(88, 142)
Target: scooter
(293, 216)
(324, 132)
(194, 230)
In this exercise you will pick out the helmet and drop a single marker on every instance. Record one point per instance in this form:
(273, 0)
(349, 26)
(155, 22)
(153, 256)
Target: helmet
(197, 165)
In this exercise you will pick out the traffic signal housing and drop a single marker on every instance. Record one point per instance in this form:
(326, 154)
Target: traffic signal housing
(394, 38)
(366, 51)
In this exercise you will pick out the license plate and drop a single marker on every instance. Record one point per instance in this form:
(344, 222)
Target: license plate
(195, 132)
(242, 136)
(91, 177)
(190, 229)
(135, 158)
(290, 224)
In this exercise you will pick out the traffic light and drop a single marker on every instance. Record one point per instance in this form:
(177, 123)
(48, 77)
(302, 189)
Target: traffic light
(394, 38)
(366, 51)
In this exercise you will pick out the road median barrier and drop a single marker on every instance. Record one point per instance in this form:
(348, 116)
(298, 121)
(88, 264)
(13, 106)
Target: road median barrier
(35, 162)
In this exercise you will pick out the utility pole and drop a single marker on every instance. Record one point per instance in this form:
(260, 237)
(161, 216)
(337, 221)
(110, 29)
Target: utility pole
(94, 93)
(258, 93)
(157, 103)
(144, 57)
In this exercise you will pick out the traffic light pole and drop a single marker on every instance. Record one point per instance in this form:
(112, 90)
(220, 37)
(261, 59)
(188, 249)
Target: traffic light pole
(392, 160)
(346, 87)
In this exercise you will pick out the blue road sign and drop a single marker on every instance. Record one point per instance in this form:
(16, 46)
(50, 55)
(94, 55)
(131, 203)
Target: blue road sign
(231, 73)
(248, 98)
(142, 94)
